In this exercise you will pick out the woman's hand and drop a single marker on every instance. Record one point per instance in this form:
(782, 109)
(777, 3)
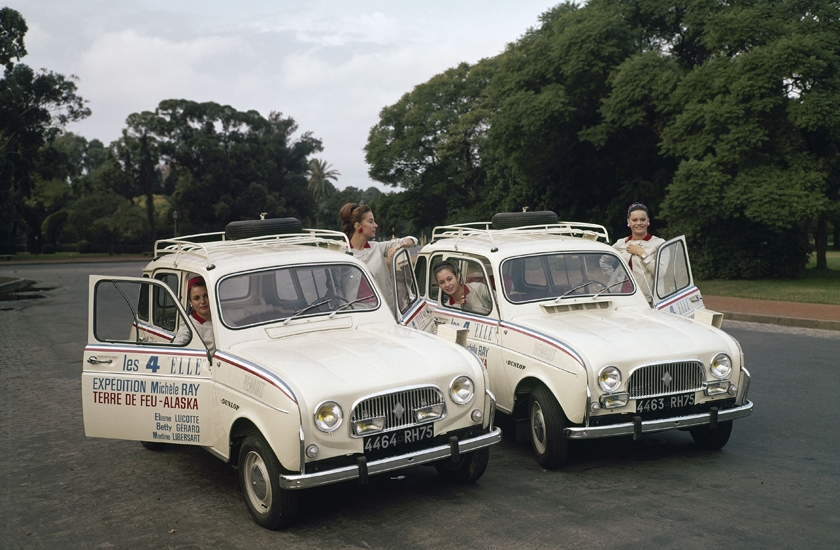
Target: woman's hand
(636, 250)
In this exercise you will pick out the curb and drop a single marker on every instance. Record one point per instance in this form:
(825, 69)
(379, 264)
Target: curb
(820, 324)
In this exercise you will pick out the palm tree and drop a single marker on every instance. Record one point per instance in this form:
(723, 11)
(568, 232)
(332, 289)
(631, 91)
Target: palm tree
(319, 178)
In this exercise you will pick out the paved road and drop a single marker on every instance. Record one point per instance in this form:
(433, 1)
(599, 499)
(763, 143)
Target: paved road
(775, 484)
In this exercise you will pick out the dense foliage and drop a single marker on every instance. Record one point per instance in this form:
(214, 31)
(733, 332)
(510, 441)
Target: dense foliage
(721, 116)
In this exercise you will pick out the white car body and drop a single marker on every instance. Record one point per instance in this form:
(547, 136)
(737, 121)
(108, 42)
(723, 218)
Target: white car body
(278, 377)
(553, 359)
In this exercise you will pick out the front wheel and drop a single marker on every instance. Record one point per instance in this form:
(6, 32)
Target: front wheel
(547, 423)
(711, 439)
(259, 474)
(468, 470)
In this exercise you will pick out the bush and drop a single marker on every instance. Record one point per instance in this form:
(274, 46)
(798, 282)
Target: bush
(48, 249)
(83, 247)
(739, 249)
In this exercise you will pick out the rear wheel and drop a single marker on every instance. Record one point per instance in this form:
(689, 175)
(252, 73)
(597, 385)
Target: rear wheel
(547, 423)
(259, 474)
(712, 439)
(468, 470)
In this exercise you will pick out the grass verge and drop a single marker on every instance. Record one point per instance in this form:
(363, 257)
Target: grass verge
(816, 286)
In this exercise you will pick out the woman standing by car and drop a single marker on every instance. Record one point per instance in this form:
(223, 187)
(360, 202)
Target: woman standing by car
(358, 224)
(639, 249)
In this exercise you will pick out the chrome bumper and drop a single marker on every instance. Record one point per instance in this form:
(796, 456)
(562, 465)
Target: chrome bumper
(441, 452)
(659, 425)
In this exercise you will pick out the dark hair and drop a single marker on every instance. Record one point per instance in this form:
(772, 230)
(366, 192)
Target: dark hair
(350, 214)
(195, 281)
(445, 265)
(637, 206)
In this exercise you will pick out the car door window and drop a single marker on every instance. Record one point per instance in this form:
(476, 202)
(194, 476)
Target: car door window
(117, 320)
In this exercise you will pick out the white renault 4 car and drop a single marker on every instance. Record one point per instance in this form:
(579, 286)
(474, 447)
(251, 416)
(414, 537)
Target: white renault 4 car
(312, 382)
(573, 348)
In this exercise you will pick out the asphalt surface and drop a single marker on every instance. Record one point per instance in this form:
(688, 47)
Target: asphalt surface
(774, 485)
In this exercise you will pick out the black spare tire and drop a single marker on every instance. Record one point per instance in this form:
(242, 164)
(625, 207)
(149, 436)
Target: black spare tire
(505, 220)
(247, 229)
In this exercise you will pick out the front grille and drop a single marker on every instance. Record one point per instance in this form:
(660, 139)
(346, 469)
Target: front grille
(665, 379)
(398, 407)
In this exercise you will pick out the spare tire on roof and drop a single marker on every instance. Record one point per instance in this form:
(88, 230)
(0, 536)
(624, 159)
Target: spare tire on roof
(504, 220)
(247, 229)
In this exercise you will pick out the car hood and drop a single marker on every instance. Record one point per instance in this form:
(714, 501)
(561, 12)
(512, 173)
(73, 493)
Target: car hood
(360, 361)
(628, 336)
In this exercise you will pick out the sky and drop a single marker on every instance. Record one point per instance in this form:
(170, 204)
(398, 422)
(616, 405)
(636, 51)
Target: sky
(330, 65)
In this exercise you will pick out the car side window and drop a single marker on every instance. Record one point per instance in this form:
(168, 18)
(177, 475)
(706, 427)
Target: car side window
(163, 307)
(673, 269)
(433, 286)
(476, 288)
(117, 319)
(420, 269)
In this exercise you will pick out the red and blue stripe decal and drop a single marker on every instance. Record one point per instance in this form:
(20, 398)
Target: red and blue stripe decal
(155, 331)
(145, 349)
(259, 372)
(547, 340)
(677, 297)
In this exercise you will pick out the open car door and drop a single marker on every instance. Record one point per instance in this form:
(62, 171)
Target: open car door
(673, 283)
(136, 383)
(411, 310)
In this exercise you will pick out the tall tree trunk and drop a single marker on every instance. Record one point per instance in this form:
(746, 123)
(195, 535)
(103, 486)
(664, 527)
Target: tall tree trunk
(821, 242)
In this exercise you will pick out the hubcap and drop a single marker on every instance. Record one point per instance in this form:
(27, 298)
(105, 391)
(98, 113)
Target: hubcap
(256, 482)
(538, 428)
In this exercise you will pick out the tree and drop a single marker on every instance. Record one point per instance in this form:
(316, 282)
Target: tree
(139, 153)
(230, 165)
(319, 179)
(743, 97)
(429, 143)
(33, 109)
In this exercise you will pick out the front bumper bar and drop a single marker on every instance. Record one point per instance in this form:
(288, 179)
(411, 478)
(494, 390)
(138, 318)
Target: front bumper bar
(658, 425)
(440, 452)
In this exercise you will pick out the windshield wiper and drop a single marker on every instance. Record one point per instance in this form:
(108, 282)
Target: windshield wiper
(301, 311)
(348, 304)
(583, 284)
(626, 279)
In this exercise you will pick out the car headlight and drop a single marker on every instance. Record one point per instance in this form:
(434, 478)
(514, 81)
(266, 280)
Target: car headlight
(609, 378)
(462, 390)
(721, 366)
(328, 416)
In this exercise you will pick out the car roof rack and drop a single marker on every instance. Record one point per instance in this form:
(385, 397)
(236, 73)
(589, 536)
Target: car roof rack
(200, 246)
(484, 231)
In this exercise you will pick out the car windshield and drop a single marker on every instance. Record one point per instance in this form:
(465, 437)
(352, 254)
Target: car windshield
(564, 275)
(272, 295)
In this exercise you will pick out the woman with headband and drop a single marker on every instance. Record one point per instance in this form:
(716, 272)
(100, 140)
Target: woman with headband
(199, 315)
(639, 249)
(358, 224)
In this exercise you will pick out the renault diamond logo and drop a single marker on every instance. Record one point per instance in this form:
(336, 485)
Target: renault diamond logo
(666, 379)
(399, 410)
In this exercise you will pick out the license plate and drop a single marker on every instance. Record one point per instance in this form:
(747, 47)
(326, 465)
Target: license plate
(403, 438)
(664, 403)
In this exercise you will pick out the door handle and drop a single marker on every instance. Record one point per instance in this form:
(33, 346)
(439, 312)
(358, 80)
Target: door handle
(94, 361)
(695, 298)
